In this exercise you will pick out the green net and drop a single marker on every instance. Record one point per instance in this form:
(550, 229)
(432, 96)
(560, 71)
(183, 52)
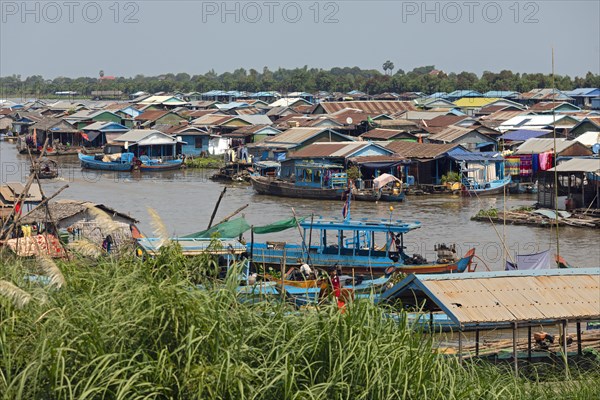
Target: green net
(277, 226)
(228, 230)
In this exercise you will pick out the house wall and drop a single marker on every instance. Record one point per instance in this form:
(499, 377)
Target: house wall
(193, 141)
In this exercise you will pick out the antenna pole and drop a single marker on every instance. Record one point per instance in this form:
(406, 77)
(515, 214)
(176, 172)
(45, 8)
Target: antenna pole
(554, 156)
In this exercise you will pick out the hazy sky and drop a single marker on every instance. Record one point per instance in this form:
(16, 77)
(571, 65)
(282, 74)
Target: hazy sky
(78, 38)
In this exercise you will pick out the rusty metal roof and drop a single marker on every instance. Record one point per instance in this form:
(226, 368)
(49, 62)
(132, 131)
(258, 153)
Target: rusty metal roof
(450, 134)
(420, 150)
(384, 134)
(377, 107)
(505, 297)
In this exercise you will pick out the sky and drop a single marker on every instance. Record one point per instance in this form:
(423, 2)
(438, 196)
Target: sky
(126, 38)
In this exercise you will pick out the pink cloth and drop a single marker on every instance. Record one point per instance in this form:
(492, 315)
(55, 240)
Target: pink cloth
(545, 160)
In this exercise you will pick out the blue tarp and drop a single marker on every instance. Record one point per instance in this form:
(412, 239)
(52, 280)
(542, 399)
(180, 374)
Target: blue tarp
(522, 135)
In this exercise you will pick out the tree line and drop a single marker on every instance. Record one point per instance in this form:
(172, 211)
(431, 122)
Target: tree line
(421, 79)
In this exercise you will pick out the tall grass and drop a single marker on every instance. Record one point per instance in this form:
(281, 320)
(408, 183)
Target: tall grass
(140, 329)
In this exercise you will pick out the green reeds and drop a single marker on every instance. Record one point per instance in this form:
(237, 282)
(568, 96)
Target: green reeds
(132, 329)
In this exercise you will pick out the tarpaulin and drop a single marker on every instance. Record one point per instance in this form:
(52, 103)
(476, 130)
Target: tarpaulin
(530, 261)
(229, 229)
(383, 180)
(277, 226)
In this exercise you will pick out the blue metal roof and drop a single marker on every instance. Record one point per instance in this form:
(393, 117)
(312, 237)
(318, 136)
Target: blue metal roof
(459, 154)
(464, 93)
(522, 135)
(500, 93)
(438, 95)
(382, 225)
(584, 92)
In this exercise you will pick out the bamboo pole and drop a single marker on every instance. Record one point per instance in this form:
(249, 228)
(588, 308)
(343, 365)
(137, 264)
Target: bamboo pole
(233, 214)
(212, 217)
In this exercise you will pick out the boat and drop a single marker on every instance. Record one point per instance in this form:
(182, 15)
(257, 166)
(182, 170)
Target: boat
(309, 181)
(390, 188)
(145, 163)
(367, 247)
(284, 188)
(471, 187)
(45, 169)
(232, 172)
(122, 162)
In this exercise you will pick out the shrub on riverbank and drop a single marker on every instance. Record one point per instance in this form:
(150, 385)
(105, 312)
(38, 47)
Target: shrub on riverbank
(137, 329)
(205, 162)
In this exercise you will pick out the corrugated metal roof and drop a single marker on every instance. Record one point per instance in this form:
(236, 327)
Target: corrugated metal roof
(383, 134)
(589, 138)
(578, 165)
(537, 145)
(377, 107)
(338, 149)
(467, 102)
(419, 150)
(295, 136)
(143, 136)
(505, 296)
(524, 134)
(450, 134)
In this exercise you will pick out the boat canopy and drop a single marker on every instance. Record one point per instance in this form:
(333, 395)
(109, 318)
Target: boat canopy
(383, 180)
(382, 225)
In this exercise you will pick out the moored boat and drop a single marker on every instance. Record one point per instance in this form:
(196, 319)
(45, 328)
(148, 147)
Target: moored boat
(356, 247)
(45, 169)
(124, 162)
(158, 164)
(498, 186)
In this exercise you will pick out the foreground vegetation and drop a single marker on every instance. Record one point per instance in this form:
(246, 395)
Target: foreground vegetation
(140, 329)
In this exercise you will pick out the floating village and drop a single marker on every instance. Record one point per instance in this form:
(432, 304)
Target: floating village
(353, 149)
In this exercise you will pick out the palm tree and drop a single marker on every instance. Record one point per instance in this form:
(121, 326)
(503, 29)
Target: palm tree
(388, 65)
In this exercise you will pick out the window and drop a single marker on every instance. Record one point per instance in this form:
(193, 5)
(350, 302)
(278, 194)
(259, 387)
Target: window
(198, 142)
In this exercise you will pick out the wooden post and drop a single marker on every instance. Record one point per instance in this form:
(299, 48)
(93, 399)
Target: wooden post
(301, 235)
(212, 217)
(460, 358)
(515, 354)
(312, 217)
(431, 323)
(564, 346)
(579, 350)
(477, 342)
(529, 343)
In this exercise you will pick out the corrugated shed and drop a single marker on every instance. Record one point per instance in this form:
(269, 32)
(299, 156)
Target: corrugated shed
(578, 165)
(505, 297)
(537, 145)
(375, 107)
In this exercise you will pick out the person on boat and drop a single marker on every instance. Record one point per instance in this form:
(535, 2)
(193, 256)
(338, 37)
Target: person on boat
(335, 283)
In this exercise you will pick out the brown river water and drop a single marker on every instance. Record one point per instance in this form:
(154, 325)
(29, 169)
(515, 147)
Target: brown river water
(185, 200)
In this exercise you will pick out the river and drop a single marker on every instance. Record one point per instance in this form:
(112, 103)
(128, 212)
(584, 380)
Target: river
(185, 200)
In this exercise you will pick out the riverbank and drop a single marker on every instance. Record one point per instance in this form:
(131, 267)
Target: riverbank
(133, 329)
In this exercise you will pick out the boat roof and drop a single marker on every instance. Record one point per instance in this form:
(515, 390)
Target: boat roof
(318, 165)
(370, 225)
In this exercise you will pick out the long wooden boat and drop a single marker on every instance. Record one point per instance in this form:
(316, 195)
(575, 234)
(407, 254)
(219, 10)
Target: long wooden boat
(392, 197)
(95, 162)
(351, 245)
(278, 187)
(148, 164)
(487, 188)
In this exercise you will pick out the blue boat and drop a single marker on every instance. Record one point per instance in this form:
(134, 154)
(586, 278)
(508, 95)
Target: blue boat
(124, 163)
(367, 247)
(158, 164)
(471, 187)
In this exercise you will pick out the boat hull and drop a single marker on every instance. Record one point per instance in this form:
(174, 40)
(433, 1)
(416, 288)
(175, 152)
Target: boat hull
(164, 166)
(496, 187)
(89, 162)
(293, 256)
(277, 187)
